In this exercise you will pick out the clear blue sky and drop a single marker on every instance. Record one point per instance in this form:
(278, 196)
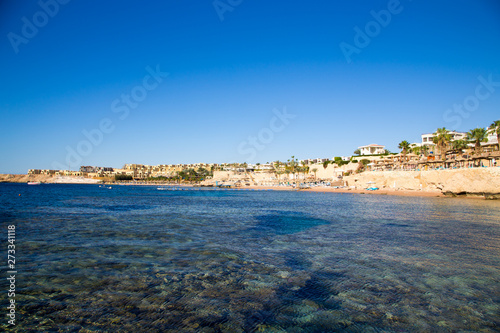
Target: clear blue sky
(229, 68)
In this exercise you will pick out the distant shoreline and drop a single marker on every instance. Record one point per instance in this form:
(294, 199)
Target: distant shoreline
(318, 189)
(250, 188)
(462, 183)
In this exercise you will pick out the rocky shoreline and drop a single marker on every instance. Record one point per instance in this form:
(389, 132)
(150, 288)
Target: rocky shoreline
(9, 178)
(487, 196)
(471, 182)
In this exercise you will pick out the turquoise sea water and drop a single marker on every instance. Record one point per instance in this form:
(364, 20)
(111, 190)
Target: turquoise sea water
(93, 259)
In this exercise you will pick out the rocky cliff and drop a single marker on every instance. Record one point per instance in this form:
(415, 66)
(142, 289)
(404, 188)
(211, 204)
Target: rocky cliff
(471, 182)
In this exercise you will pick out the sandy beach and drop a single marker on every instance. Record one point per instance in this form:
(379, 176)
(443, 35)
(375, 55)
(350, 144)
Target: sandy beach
(405, 193)
(319, 189)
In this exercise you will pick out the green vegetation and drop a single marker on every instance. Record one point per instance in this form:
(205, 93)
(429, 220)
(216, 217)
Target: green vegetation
(338, 160)
(477, 135)
(186, 175)
(404, 146)
(304, 168)
(362, 165)
(425, 150)
(442, 139)
(292, 166)
(192, 175)
(418, 150)
(160, 178)
(123, 177)
(459, 145)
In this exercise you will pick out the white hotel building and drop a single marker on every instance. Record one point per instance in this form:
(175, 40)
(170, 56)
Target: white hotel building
(427, 138)
(372, 149)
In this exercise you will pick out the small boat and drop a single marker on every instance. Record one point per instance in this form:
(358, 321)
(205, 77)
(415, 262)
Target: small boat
(34, 183)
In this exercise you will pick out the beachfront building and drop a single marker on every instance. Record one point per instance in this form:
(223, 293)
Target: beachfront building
(491, 144)
(427, 139)
(69, 173)
(372, 149)
(95, 169)
(314, 160)
(264, 167)
(32, 172)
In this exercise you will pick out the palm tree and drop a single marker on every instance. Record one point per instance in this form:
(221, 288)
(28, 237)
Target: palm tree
(495, 129)
(278, 172)
(293, 164)
(477, 135)
(314, 170)
(459, 145)
(416, 150)
(404, 146)
(442, 138)
(424, 149)
(357, 152)
(287, 171)
(277, 165)
(305, 170)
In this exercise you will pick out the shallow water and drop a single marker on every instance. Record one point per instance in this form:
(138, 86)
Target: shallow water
(139, 259)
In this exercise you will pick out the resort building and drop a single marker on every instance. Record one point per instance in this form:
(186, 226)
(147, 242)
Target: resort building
(92, 169)
(372, 149)
(427, 139)
(491, 144)
(265, 166)
(313, 161)
(41, 172)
